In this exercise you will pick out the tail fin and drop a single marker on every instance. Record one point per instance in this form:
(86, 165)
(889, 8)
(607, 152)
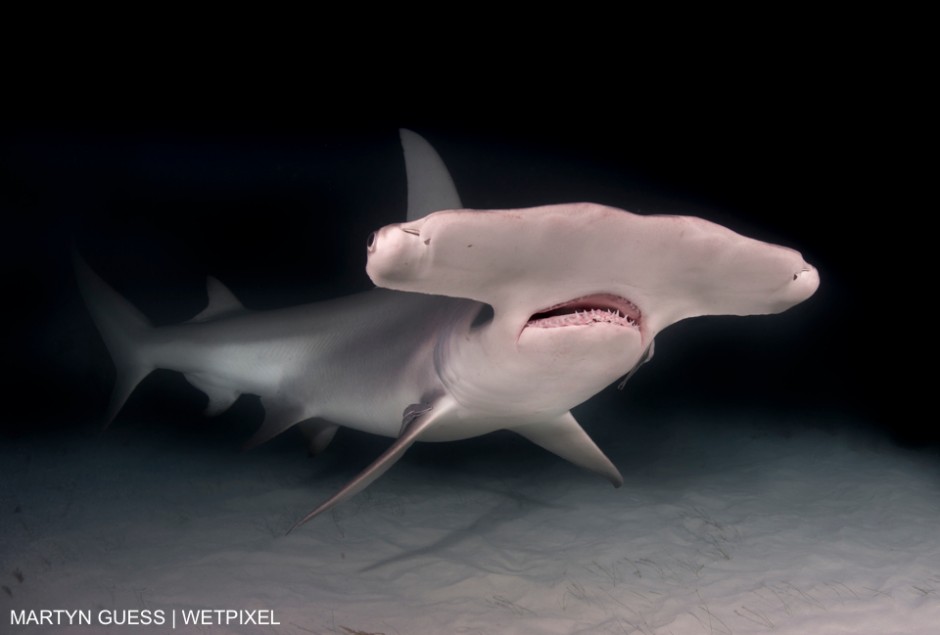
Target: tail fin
(122, 327)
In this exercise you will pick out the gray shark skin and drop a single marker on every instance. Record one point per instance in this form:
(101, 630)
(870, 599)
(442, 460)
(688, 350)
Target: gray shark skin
(484, 320)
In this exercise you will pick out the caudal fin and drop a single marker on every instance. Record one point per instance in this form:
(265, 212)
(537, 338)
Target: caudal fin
(123, 329)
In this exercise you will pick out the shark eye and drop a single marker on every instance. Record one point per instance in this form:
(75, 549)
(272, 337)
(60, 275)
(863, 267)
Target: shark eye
(370, 242)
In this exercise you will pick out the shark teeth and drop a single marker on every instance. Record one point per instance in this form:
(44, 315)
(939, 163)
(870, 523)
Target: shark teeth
(588, 310)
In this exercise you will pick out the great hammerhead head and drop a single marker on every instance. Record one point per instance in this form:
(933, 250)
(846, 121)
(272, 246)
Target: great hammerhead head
(485, 320)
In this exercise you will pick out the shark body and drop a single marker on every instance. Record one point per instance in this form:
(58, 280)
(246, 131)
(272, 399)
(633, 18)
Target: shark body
(484, 320)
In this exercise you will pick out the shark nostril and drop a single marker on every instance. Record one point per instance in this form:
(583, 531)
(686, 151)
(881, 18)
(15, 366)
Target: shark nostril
(370, 241)
(805, 272)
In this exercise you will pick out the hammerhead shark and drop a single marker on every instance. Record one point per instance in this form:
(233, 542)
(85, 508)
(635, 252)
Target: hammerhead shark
(484, 320)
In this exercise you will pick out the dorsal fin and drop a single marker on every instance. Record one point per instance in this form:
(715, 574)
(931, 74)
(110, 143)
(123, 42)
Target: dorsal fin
(221, 301)
(430, 187)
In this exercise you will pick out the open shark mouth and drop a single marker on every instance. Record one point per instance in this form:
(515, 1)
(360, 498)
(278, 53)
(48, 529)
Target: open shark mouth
(600, 308)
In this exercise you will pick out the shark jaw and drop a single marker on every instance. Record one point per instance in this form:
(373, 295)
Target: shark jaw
(589, 310)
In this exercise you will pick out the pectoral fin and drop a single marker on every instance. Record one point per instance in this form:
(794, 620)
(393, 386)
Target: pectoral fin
(567, 439)
(415, 420)
(647, 356)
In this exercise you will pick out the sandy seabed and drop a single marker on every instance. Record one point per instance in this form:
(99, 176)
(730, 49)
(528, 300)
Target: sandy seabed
(724, 526)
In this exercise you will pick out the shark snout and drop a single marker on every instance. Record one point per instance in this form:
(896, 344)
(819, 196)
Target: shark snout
(803, 285)
(396, 238)
(807, 279)
(394, 254)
